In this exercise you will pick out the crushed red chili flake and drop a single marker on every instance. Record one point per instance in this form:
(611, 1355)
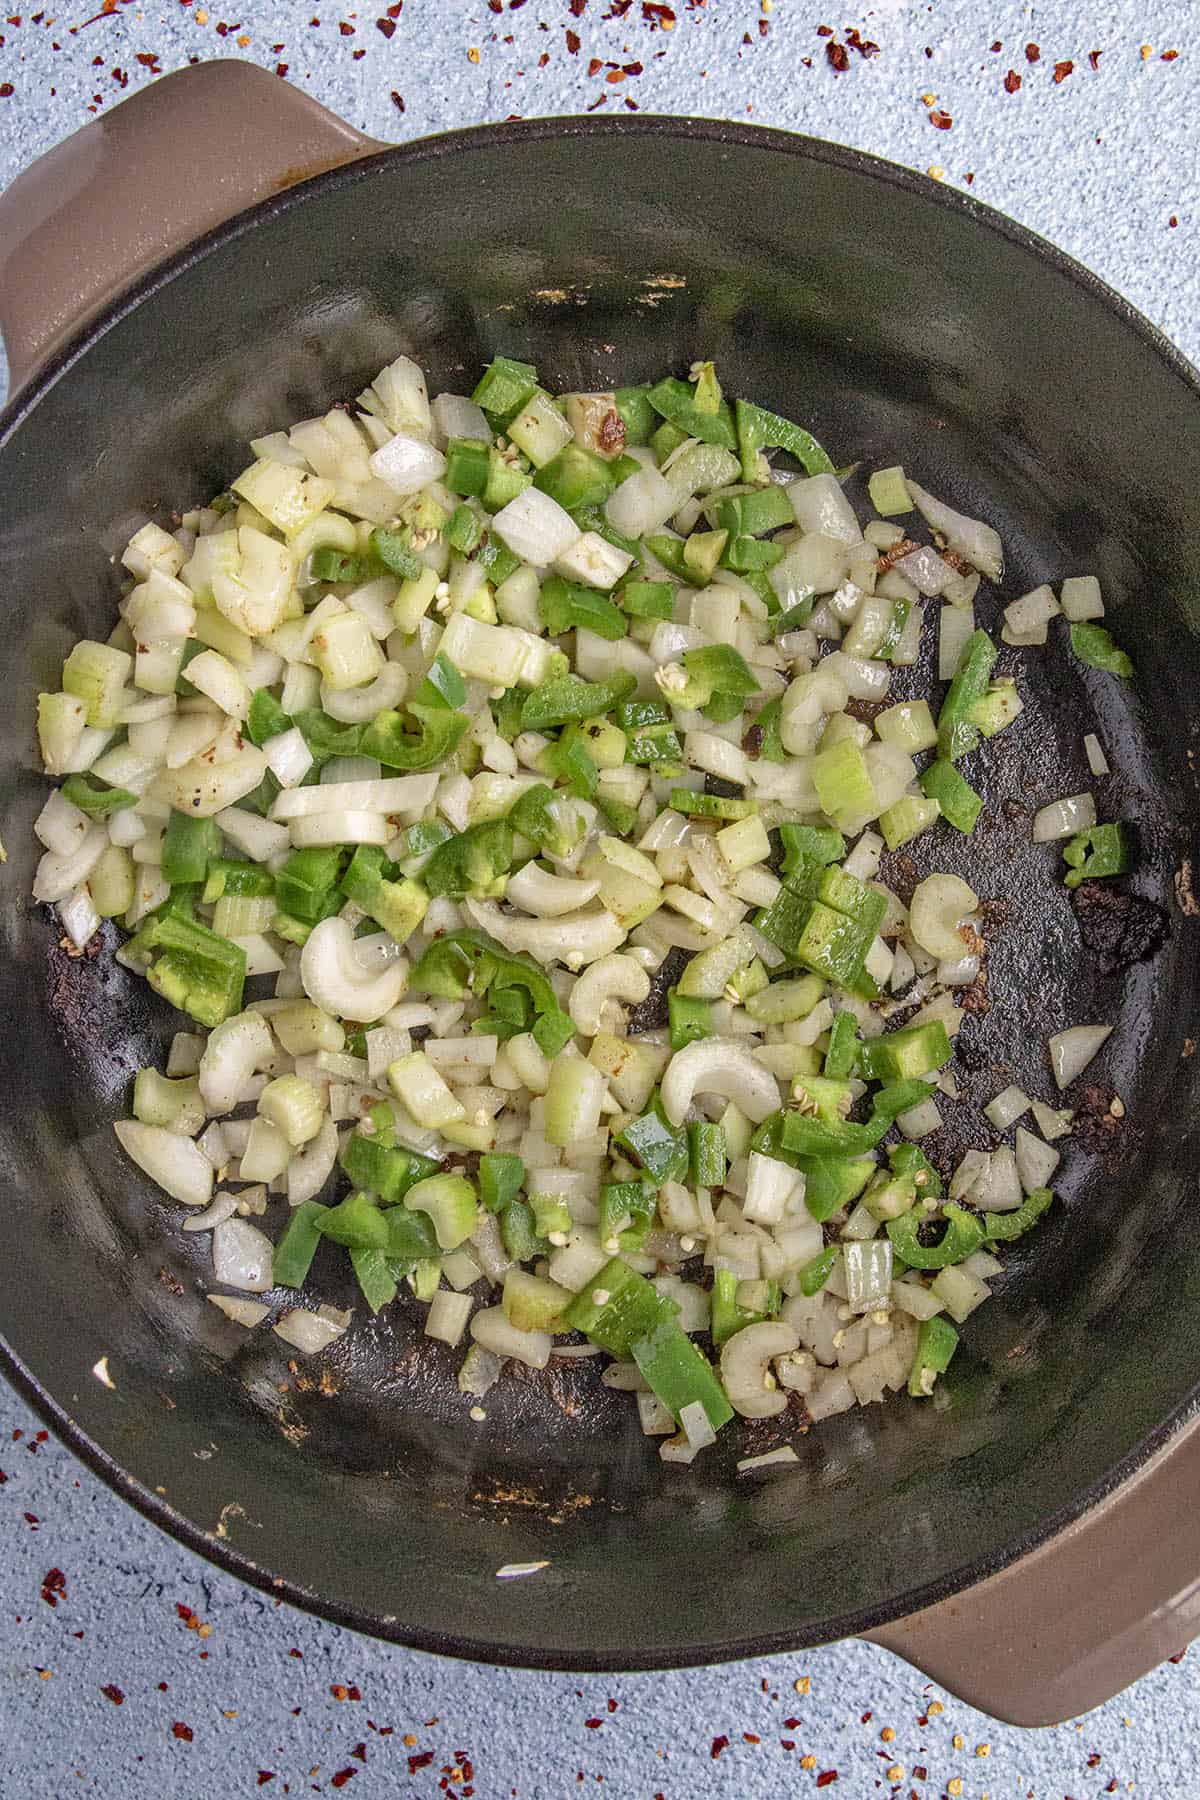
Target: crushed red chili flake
(3, 1478)
(657, 15)
(1062, 70)
(593, 1724)
(1168, 56)
(265, 1775)
(1012, 82)
(718, 1744)
(787, 1743)
(387, 26)
(342, 1777)
(183, 1732)
(1033, 53)
(791, 1724)
(595, 66)
(422, 1760)
(941, 121)
(32, 1519)
(920, 1772)
(149, 60)
(749, 1737)
(863, 45)
(997, 46)
(397, 101)
(614, 76)
(299, 1654)
(576, 8)
(612, 1706)
(573, 41)
(824, 30)
(112, 1692)
(827, 1778)
(281, 69)
(1094, 57)
(346, 30)
(836, 57)
(54, 1587)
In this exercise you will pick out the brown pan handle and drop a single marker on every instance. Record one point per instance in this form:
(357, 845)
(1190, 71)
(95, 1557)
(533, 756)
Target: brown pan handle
(180, 157)
(1077, 1620)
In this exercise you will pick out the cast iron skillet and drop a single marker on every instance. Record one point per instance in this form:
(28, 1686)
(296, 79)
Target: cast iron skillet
(902, 324)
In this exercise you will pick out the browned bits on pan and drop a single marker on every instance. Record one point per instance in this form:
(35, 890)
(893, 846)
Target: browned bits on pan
(897, 552)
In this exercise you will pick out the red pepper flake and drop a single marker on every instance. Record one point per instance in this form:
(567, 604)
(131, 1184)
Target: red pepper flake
(1168, 56)
(748, 1737)
(18, 1434)
(835, 55)
(612, 1705)
(634, 68)
(602, 100)
(718, 1744)
(827, 1779)
(576, 8)
(298, 1654)
(346, 30)
(112, 1692)
(1172, 222)
(572, 41)
(357, 55)
(421, 1761)
(864, 46)
(1012, 82)
(281, 69)
(997, 46)
(593, 1724)
(543, 59)
(791, 1724)
(32, 1520)
(941, 121)
(1094, 58)
(595, 66)
(1061, 71)
(397, 101)
(824, 30)
(920, 1772)
(162, 1687)
(614, 76)
(184, 1612)
(787, 1743)
(265, 1775)
(342, 1777)
(360, 1751)
(658, 15)
(866, 1718)
(54, 1587)
(1032, 53)
(3, 1478)
(183, 1732)
(393, 12)
(387, 26)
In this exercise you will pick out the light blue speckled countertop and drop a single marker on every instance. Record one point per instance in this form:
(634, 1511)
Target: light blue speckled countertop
(127, 1666)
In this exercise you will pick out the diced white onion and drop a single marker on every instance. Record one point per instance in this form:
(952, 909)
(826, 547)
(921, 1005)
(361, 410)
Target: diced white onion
(1063, 818)
(1071, 1051)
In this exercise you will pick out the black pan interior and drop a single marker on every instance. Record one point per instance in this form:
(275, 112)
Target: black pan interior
(901, 324)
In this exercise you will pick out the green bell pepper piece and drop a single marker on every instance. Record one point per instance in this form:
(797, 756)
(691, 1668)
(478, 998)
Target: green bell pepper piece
(96, 801)
(1100, 851)
(937, 1341)
(963, 1235)
(956, 733)
(501, 1177)
(1002, 1228)
(298, 1245)
(463, 960)
(656, 1146)
(422, 740)
(1094, 646)
(758, 429)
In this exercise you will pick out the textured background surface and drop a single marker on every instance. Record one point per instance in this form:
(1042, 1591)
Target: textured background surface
(126, 1665)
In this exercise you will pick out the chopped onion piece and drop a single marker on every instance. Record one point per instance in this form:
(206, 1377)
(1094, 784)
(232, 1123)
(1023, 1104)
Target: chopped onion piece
(242, 1312)
(308, 1332)
(1063, 818)
(1094, 751)
(1071, 1051)
(1007, 1107)
(768, 1459)
(242, 1256)
(1051, 1123)
(1036, 1162)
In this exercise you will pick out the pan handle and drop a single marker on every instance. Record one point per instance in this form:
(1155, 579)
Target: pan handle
(1077, 1620)
(178, 158)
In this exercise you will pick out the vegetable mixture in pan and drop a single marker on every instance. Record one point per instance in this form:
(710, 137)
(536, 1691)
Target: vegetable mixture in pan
(489, 783)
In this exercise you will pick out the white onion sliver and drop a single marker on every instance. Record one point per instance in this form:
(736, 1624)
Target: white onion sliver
(1063, 818)
(1071, 1051)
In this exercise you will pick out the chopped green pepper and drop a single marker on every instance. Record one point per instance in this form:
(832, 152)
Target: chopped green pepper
(689, 1019)
(306, 886)
(656, 1146)
(1002, 1228)
(501, 1177)
(617, 1307)
(422, 741)
(187, 845)
(569, 606)
(386, 1169)
(960, 804)
(96, 801)
(758, 429)
(937, 1341)
(298, 1245)
(676, 401)
(906, 1055)
(956, 733)
(963, 1235)
(1094, 646)
(816, 1273)
(191, 966)
(1100, 851)
(469, 960)
(473, 862)
(569, 699)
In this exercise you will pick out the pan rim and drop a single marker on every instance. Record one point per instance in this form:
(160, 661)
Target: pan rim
(157, 1508)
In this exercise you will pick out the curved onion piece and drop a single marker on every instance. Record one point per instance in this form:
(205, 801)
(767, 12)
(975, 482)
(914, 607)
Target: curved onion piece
(308, 1171)
(201, 789)
(939, 903)
(335, 978)
(548, 896)
(745, 1368)
(612, 978)
(357, 706)
(719, 1066)
(59, 875)
(168, 1158)
(242, 1312)
(235, 1049)
(978, 542)
(223, 1207)
(492, 1331)
(575, 939)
